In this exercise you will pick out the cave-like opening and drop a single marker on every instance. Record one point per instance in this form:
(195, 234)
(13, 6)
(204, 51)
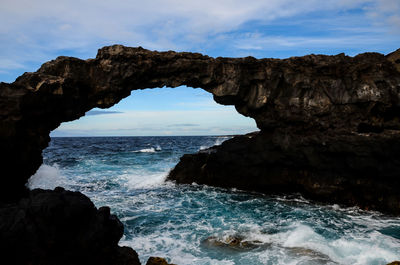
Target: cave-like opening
(120, 157)
(180, 111)
(160, 112)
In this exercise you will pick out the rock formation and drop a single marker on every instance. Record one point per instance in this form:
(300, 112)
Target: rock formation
(350, 169)
(300, 95)
(61, 227)
(329, 127)
(329, 130)
(157, 261)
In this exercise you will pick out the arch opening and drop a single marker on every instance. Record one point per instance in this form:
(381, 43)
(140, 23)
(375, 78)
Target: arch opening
(180, 111)
(119, 166)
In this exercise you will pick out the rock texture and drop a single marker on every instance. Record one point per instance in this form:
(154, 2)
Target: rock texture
(330, 129)
(338, 96)
(157, 261)
(61, 227)
(350, 169)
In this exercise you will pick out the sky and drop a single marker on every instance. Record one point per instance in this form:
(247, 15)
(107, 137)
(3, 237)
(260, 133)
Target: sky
(33, 32)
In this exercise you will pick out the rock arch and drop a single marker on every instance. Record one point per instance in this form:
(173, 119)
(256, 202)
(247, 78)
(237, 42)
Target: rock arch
(300, 96)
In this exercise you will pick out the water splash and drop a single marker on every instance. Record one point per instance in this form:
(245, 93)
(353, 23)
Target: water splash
(173, 221)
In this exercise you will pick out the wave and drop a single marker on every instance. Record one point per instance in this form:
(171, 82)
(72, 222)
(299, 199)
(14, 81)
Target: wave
(218, 141)
(145, 150)
(148, 150)
(46, 177)
(145, 179)
(302, 242)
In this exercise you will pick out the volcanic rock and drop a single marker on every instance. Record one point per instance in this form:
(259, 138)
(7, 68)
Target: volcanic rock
(302, 95)
(232, 242)
(157, 261)
(351, 169)
(319, 116)
(61, 227)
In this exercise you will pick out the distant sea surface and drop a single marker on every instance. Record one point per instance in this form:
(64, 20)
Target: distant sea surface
(188, 224)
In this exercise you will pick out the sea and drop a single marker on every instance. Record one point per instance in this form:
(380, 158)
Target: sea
(198, 224)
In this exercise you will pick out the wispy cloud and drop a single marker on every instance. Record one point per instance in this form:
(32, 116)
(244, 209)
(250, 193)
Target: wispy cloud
(34, 31)
(386, 12)
(184, 125)
(261, 42)
(225, 120)
(101, 112)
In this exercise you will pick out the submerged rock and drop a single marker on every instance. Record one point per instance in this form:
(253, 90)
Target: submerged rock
(231, 242)
(157, 261)
(238, 243)
(61, 227)
(314, 256)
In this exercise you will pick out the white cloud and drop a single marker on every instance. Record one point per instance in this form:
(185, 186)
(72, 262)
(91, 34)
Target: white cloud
(207, 122)
(261, 42)
(36, 31)
(154, 24)
(386, 12)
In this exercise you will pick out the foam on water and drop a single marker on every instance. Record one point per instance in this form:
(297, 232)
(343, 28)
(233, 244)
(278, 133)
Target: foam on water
(145, 180)
(46, 177)
(145, 150)
(174, 221)
(218, 141)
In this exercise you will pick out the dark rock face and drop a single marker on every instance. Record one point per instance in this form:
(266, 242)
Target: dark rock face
(314, 93)
(330, 129)
(236, 243)
(351, 169)
(61, 227)
(157, 261)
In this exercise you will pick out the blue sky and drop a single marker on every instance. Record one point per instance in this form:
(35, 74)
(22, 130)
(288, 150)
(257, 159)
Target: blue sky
(32, 32)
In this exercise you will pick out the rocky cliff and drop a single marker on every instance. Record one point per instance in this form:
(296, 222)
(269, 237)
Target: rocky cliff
(329, 129)
(61, 227)
(314, 93)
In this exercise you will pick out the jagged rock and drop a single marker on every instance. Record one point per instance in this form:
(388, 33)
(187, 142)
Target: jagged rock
(316, 256)
(238, 243)
(351, 169)
(61, 227)
(232, 242)
(299, 104)
(394, 57)
(314, 93)
(157, 261)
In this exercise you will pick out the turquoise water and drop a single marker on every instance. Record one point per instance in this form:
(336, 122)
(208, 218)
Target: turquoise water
(193, 224)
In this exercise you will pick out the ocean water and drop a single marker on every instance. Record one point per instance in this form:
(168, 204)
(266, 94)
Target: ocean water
(196, 224)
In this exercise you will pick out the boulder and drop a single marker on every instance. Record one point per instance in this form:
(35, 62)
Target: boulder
(61, 227)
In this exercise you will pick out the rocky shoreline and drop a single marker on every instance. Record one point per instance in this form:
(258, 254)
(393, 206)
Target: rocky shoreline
(333, 168)
(61, 227)
(330, 129)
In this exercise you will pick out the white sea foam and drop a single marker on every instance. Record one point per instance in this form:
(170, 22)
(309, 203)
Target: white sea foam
(145, 179)
(172, 221)
(145, 150)
(177, 250)
(218, 141)
(370, 248)
(46, 177)
(148, 150)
